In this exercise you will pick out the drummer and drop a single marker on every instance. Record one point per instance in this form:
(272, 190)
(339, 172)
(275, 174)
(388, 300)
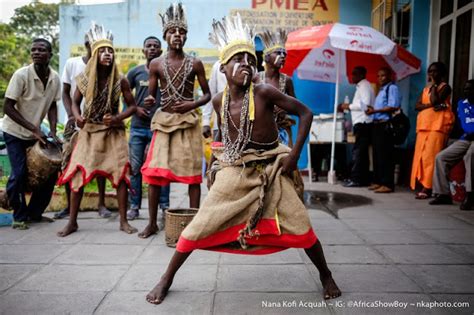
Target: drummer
(32, 94)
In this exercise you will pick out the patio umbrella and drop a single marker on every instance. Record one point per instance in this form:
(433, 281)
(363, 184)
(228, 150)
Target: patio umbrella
(328, 53)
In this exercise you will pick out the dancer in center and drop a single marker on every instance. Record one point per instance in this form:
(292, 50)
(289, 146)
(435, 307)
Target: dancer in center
(252, 206)
(175, 153)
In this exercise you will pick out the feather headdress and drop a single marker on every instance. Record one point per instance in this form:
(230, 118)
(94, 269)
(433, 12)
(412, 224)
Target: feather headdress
(99, 37)
(232, 37)
(273, 40)
(86, 81)
(175, 16)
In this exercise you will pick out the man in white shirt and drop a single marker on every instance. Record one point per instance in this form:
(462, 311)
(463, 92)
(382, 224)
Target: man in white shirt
(73, 67)
(363, 97)
(31, 95)
(217, 83)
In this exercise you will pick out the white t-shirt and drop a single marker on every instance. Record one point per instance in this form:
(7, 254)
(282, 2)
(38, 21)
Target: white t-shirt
(73, 67)
(363, 97)
(217, 83)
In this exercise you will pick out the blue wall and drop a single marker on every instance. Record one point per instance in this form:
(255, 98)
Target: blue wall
(419, 30)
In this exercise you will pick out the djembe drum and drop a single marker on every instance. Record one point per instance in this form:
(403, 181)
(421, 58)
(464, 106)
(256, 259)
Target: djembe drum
(42, 161)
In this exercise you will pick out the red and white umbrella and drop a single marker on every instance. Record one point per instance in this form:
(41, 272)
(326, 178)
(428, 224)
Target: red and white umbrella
(329, 53)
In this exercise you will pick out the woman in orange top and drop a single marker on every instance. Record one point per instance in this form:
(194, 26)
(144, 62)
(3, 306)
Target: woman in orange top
(434, 122)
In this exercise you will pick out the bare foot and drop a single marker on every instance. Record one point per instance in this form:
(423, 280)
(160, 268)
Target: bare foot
(159, 292)
(127, 228)
(68, 229)
(330, 289)
(148, 231)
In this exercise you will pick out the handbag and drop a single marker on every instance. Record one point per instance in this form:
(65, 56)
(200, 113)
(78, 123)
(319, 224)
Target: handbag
(399, 126)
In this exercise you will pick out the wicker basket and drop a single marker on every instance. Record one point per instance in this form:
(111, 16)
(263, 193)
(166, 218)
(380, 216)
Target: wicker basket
(175, 222)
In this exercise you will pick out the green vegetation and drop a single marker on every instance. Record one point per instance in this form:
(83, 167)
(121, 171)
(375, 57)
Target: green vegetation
(30, 21)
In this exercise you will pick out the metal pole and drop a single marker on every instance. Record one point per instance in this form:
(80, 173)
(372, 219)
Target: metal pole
(332, 173)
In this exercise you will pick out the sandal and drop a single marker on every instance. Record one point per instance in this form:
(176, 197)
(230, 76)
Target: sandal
(422, 195)
(20, 225)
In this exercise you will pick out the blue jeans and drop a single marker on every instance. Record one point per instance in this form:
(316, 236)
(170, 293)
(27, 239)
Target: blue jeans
(139, 139)
(283, 136)
(16, 185)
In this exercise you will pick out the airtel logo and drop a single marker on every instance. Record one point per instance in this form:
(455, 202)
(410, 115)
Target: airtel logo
(355, 28)
(354, 42)
(328, 53)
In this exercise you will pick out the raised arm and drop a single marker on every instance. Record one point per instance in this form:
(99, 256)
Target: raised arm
(294, 107)
(439, 97)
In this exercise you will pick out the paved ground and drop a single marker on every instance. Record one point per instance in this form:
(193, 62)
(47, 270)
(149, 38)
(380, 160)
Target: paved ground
(390, 251)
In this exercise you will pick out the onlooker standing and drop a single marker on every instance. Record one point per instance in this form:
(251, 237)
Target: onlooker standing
(363, 97)
(217, 83)
(461, 149)
(75, 66)
(434, 123)
(388, 100)
(140, 133)
(31, 95)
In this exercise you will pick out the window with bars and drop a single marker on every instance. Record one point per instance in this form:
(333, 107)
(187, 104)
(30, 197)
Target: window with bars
(392, 18)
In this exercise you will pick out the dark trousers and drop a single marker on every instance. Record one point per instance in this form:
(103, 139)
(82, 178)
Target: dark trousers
(382, 141)
(139, 139)
(360, 153)
(16, 185)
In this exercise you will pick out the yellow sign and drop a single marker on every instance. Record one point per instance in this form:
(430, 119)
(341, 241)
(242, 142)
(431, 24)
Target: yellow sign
(289, 14)
(129, 57)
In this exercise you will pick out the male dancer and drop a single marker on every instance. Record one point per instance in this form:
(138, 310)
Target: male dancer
(101, 147)
(75, 66)
(252, 207)
(175, 153)
(275, 57)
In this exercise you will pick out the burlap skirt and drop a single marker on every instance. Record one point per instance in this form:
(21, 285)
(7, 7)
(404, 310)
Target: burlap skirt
(98, 150)
(175, 153)
(232, 201)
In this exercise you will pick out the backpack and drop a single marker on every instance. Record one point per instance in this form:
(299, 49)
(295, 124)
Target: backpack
(399, 124)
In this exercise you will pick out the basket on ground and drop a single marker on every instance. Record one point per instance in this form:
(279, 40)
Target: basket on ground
(175, 222)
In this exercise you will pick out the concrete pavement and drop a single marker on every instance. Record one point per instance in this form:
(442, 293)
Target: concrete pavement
(393, 254)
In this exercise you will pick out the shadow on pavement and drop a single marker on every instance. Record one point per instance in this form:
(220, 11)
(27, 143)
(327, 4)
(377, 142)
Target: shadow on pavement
(331, 202)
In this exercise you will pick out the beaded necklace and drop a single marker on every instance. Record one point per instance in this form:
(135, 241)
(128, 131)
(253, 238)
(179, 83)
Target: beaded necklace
(281, 81)
(171, 93)
(233, 149)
